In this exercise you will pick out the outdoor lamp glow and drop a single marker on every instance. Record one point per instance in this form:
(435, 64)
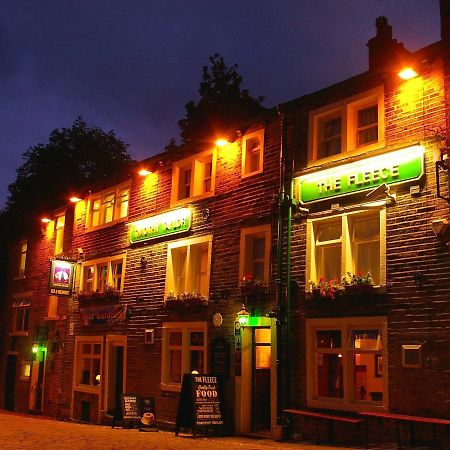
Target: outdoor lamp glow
(144, 172)
(407, 73)
(243, 317)
(221, 142)
(46, 220)
(35, 348)
(75, 199)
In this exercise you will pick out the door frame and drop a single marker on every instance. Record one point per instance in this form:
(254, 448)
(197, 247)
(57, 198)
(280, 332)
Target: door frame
(244, 382)
(35, 365)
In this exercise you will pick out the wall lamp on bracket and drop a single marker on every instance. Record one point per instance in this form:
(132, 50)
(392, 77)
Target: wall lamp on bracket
(144, 262)
(243, 317)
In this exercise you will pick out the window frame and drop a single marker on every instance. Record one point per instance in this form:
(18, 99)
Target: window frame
(24, 328)
(22, 259)
(346, 242)
(116, 211)
(79, 341)
(98, 263)
(186, 328)
(348, 110)
(59, 235)
(346, 325)
(259, 134)
(188, 243)
(195, 163)
(257, 231)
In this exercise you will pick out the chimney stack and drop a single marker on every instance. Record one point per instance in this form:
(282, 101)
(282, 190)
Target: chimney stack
(444, 6)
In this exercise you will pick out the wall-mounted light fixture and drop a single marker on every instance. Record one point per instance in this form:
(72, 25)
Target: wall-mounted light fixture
(75, 199)
(407, 73)
(441, 228)
(34, 348)
(243, 317)
(144, 262)
(221, 142)
(144, 172)
(46, 220)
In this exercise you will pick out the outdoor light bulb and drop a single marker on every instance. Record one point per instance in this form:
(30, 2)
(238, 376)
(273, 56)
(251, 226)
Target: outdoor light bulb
(144, 172)
(221, 142)
(35, 348)
(45, 220)
(340, 355)
(407, 73)
(97, 378)
(75, 199)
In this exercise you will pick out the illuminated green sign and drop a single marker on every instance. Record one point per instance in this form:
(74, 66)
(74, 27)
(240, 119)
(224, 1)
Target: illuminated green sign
(391, 168)
(157, 226)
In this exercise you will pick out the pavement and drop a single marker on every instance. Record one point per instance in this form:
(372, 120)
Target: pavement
(23, 432)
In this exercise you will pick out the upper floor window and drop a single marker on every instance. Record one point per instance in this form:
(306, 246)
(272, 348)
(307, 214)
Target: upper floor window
(252, 153)
(104, 273)
(345, 363)
(194, 177)
(352, 242)
(108, 206)
(23, 248)
(188, 266)
(184, 350)
(353, 124)
(255, 253)
(59, 234)
(20, 317)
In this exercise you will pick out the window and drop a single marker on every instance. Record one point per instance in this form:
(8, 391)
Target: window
(20, 317)
(184, 350)
(98, 275)
(23, 247)
(252, 153)
(353, 242)
(255, 253)
(88, 364)
(108, 206)
(344, 363)
(194, 177)
(188, 266)
(350, 125)
(52, 306)
(59, 234)
(25, 370)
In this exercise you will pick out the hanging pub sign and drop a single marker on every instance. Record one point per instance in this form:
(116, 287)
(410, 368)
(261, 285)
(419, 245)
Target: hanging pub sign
(395, 167)
(161, 225)
(61, 277)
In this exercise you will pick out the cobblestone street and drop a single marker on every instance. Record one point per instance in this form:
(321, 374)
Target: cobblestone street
(20, 432)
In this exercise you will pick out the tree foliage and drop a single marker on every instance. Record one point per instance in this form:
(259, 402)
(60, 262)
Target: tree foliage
(72, 159)
(223, 105)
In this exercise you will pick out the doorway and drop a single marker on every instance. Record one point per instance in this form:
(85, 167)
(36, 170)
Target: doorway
(37, 382)
(10, 382)
(261, 375)
(115, 375)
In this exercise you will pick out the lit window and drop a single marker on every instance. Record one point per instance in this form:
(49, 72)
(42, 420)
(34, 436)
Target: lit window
(347, 243)
(188, 266)
(344, 359)
(22, 259)
(108, 206)
(193, 177)
(350, 125)
(25, 370)
(59, 234)
(20, 317)
(99, 275)
(252, 153)
(88, 363)
(52, 306)
(184, 350)
(255, 253)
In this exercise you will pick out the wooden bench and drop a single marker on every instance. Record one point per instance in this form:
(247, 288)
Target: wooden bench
(400, 418)
(330, 418)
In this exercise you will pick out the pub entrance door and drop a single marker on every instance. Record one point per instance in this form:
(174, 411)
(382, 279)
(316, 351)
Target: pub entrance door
(10, 381)
(36, 397)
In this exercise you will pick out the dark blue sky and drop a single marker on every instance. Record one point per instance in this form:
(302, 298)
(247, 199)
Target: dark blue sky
(132, 65)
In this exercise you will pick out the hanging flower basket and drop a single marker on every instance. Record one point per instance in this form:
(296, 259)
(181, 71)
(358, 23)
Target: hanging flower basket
(187, 300)
(108, 297)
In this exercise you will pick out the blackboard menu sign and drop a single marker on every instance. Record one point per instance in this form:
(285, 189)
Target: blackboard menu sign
(130, 407)
(200, 403)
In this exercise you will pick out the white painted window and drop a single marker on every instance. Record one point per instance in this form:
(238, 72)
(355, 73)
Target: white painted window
(353, 125)
(88, 362)
(345, 359)
(108, 206)
(188, 266)
(98, 275)
(352, 242)
(255, 253)
(252, 153)
(193, 177)
(184, 350)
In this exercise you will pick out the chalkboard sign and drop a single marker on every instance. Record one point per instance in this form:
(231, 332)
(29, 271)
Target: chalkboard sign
(130, 407)
(200, 403)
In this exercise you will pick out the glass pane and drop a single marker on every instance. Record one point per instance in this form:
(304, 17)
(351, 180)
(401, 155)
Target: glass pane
(86, 349)
(184, 190)
(329, 375)
(366, 339)
(328, 262)
(123, 203)
(97, 349)
(367, 116)
(328, 231)
(175, 337)
(196, 361)
(198, 275)
(179, 269)
(197, 338)
(95, 372)
(175, 366)
(26, 316)
(328, 339)
(262, 357)
(259, 245)
(262, 335)
(108, 208)
(367, 377)
(367, 259)
(366, 229)
(253, 150)
(368, 135)
(332, 128)
(85, 374)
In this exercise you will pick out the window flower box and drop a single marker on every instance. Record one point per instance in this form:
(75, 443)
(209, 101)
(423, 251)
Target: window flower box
(187, 300)
(326, 289)
(250, 286)
(358, 284)
(108, 297)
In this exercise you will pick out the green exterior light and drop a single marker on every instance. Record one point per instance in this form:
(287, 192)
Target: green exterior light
(35, 348)
(243, 317)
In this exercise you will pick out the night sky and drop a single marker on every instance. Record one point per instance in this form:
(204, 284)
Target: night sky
(131, 65)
